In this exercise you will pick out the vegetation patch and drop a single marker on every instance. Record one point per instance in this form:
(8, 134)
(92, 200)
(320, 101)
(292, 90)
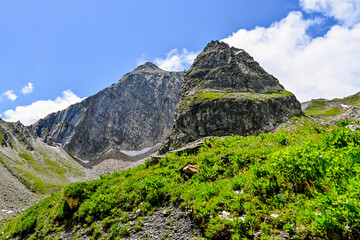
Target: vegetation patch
(303, 183)
(323, 112)
(207, 96)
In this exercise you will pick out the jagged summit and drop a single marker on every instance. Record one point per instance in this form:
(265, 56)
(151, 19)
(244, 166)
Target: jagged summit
(148, 66)
(227, 92)
(229, 69)
(135, 113)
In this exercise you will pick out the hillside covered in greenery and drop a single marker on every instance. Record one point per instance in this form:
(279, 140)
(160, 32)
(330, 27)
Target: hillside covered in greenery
(301, 184)
(322, 108)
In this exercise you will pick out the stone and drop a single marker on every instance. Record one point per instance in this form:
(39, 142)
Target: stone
(239, 192)
(154, 159)
(190, 170)
(353, 128)
(224, 215)
(353, 113)
(72, 202)
(133, 114)
(226, 92)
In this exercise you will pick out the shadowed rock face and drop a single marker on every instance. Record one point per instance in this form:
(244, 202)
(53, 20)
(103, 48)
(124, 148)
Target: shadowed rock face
(135, 113)
(226, 92)
(228, 69)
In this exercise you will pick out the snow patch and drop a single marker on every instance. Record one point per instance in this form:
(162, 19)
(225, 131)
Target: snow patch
(136, 153)
(84, 161)
(344, 106)
(109, 151)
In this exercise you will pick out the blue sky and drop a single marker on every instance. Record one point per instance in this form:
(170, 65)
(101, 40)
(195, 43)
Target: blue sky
(63, 51)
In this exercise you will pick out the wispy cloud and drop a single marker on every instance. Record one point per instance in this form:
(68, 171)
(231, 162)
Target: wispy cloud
(28, 89)
(326, 66)
(141, 60)
(176, 61)
(346, 11)
(10, 95)
(31, 113)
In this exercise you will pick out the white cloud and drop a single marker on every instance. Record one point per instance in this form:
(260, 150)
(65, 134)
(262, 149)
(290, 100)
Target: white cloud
(28, 89)
(176, 61)
(325, 66)
(346, 11)
(31, 113)
(10, 95)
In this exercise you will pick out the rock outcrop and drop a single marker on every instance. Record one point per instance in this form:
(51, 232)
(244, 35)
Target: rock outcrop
(353, 113)
(226, 92)
(133, 114)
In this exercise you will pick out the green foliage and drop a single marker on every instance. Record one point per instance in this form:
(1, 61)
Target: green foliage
(343, 122)
(27, 156)
(304, 182)
(324, 112)
(317, 104)
(79, 189)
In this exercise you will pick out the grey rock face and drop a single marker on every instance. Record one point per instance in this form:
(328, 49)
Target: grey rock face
(353, 113)
(226, 92)
(135, 113)
(228, 69)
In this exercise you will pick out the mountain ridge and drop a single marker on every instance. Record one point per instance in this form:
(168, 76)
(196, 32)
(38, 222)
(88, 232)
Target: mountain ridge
(111, 119)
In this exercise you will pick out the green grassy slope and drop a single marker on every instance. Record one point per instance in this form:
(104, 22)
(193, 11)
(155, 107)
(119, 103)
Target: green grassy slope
(303, 183)
(40, 167)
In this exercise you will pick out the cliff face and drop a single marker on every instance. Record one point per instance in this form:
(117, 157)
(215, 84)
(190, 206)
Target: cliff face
(226, 92)
(135, 113)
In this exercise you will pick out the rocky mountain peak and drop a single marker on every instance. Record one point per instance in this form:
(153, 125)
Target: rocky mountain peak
(227, 92)
(225, 68)
(147, 67)
(134, 114)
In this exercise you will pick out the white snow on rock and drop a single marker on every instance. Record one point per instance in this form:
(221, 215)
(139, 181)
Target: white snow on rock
(136, 153)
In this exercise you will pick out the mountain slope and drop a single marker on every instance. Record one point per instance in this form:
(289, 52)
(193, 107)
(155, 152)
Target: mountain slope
(335, 108)
(226, 92)
(30, 168)
(299, 184)
(133, 114)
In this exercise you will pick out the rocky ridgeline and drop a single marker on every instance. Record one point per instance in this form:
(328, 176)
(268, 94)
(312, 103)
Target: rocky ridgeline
(227, 92)
(133, 114)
